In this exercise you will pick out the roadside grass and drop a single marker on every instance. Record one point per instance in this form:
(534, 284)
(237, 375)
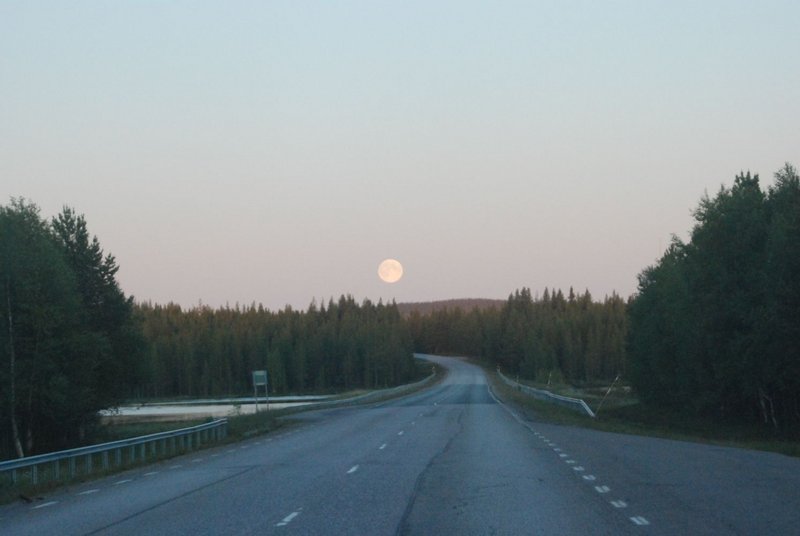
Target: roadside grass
(630, 417)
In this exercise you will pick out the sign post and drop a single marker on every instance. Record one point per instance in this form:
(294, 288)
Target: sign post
(260, 378)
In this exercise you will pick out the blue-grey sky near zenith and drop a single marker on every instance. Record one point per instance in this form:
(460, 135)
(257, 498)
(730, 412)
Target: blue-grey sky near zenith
(276, 152)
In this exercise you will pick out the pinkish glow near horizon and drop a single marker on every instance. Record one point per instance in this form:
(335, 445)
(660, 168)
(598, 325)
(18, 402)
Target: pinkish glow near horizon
(276, 152)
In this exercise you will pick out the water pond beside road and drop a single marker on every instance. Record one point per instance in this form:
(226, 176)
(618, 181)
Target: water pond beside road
(189, 410)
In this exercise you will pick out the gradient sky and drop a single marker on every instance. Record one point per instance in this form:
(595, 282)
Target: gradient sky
(278, 151)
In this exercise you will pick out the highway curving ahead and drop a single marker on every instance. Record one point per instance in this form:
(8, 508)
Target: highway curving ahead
(446, 460)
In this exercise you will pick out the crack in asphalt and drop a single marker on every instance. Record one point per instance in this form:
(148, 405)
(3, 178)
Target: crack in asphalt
(402, 527)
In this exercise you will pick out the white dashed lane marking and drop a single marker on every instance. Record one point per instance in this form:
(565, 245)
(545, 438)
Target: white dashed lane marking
(288, 519)
(88, 492)
(117, 483)
(619, 504)
(151, 473)
(400, 432)
(382, 447)
(352, 470)
(45, 505)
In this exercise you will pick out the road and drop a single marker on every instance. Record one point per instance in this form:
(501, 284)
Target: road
(446, 460)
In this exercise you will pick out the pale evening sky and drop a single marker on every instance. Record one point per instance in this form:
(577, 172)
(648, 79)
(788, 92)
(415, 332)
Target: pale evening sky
(278, 151)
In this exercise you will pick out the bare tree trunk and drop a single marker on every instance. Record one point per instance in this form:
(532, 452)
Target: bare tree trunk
(768, 416)
(12, 370)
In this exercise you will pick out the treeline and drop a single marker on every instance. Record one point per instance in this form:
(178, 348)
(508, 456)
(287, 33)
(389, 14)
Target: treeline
(715, 327)
(208, 352)
(466, 304)
(551, 337)
(68, 341)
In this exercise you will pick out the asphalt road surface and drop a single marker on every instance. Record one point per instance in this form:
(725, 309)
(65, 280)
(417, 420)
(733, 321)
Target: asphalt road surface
(449, 460)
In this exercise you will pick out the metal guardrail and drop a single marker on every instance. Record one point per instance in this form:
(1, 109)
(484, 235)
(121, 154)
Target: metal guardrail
(367, 397)
(573, 403)
(84, 460)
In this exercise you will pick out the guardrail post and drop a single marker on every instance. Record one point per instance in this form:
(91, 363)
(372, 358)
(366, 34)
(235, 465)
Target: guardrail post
(14, 476)
(88, 463)
(35, 474)
(118, 457)
(57, 470)
(72, 466)
(105, 459)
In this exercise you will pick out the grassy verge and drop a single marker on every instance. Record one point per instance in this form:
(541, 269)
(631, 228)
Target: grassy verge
(633, 418)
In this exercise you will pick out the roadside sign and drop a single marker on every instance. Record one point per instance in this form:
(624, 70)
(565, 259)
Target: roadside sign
(259, 377)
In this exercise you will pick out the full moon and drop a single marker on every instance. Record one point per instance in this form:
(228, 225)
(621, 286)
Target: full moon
(390, 271)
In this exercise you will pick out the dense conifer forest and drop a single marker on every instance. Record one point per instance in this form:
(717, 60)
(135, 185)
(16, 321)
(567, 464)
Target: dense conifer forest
(207, 352)
(552, 337)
